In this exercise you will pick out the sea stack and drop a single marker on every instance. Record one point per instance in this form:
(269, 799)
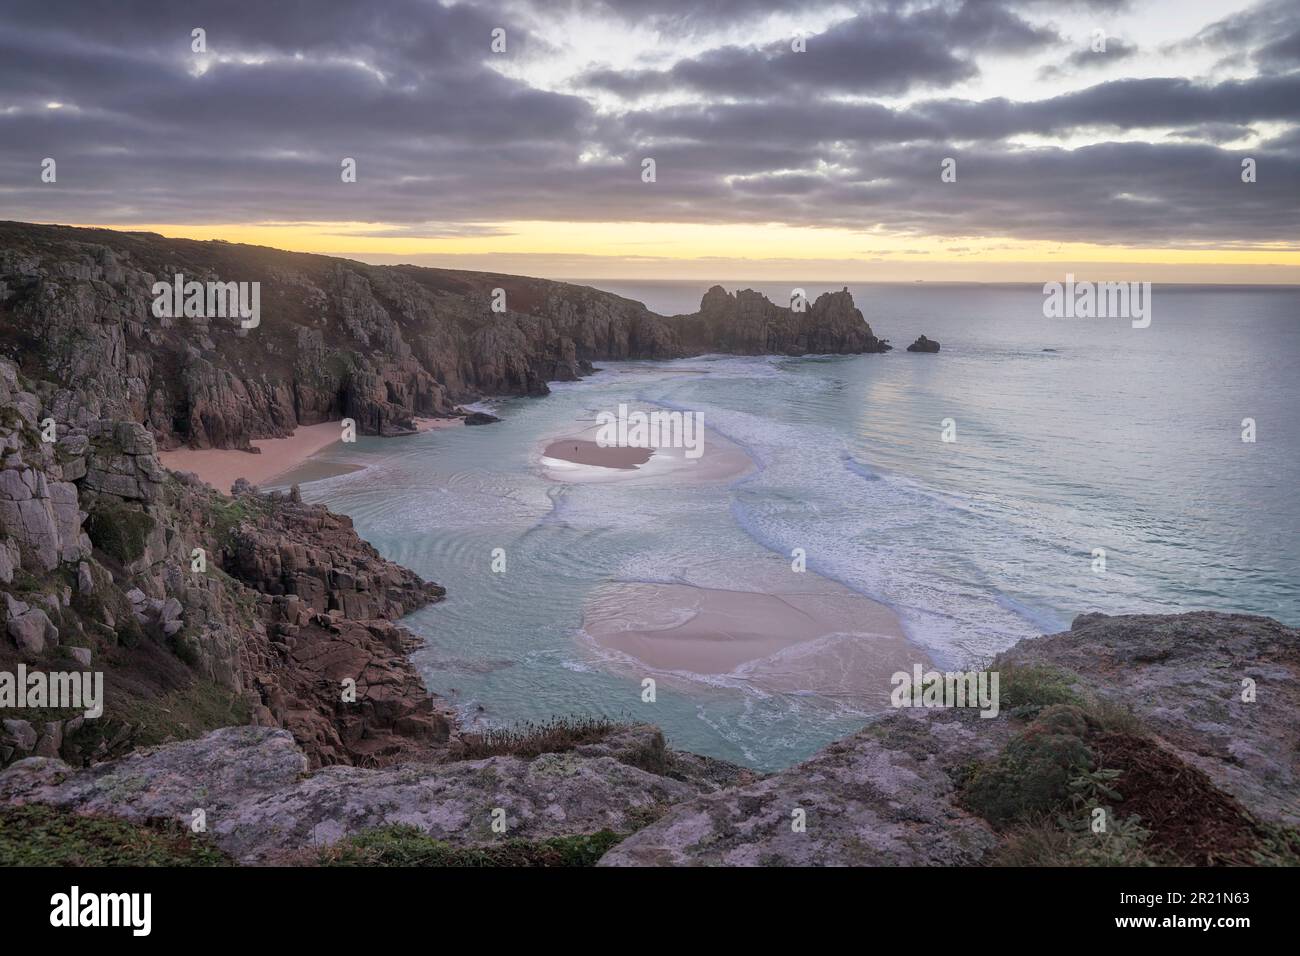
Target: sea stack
(924, 345)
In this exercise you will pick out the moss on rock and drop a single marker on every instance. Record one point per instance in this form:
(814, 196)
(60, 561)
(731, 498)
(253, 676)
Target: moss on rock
(409, 846)
(119, 530)
(1032, 775)
(38, 835)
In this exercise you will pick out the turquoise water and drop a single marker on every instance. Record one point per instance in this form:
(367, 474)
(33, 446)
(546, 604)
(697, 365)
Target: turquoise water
(1118, 438)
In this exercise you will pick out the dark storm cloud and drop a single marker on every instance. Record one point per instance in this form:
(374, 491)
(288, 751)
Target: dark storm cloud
(697, 14)
(877, 51)
(1120, 104)
(1110, 193)
(289, 90)
(1268, 34)
(1124, 104)
(447, 146)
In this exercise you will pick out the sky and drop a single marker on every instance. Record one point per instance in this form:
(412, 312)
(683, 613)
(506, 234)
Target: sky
(794, 140)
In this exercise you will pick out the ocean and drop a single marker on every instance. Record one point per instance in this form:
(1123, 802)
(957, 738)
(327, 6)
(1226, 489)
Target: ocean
(1071, 435)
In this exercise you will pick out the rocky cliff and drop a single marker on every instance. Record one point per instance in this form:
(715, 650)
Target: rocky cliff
(267, 684)
(254, 668)
(200, 610)
(204, 611)
(1138, 722)
(336, 338)
(1139, 716)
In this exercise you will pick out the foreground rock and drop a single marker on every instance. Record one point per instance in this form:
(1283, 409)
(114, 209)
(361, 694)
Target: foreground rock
(259, 801)
(889, 795)
(882, 797)
(1184, 675)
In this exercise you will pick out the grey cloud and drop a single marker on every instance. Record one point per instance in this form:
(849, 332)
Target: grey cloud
(1086, 57)
(447, 146)
(1267, 33)
(1127, 104)
(877, 51)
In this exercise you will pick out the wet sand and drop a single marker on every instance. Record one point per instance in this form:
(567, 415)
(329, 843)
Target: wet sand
(578, 457)
(805, 635)
(313, 469)
(279, 461)
(429, 424)
(220, 467)
(580, 451)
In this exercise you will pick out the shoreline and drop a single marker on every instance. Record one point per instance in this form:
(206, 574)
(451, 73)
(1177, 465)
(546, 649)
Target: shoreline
(814, 637)
(221, 467)
(768, 630)
(577, 455)
(277, 458)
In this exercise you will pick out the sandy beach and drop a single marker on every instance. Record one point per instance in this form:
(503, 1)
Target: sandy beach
(277, 460)
(220, 467)
(429, 424)
(580, 451)
(577, 456)
(805, 635)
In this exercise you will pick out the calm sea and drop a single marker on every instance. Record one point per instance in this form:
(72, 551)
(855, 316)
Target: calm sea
(1072, 435)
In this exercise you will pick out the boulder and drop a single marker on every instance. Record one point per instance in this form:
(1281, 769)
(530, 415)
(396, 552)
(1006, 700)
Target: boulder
(881, 797)
(251, 783)
(22, 733)
(85, 580)
(30, 627)
(10, 560)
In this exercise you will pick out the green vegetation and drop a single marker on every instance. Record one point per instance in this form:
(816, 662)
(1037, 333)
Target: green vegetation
(184, 714)
(38, 835)
(104, 602)
(138, 716)
(1277, 846)
(1033, 775)
(410, 846)
(1025, 689)
(226, 515)
(1084, 784)
(530, 740)
(119, 530)
(1045, 844)
(185, 645)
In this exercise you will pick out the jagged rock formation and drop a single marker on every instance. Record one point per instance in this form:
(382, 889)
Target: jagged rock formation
(336, 338)
(888, 794)
(748, 324)
(922, 344)
(314, 555)
(883, 797)
(97, 564)
(897, 792)
(258, 802)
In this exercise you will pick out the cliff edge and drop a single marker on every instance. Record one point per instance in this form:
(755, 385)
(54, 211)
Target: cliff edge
(335, 338)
